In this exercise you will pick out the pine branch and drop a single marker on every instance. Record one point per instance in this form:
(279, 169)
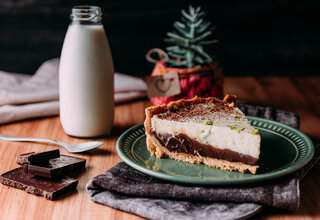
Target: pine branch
(187, 22)
(187, 16)
(198, 9)
(181, 30)
(198, 22)
(189, 57)
(191, 11)
(204, 27)
(179, 43)
(176, 49)
(201, 52)
(177, 56)
(177, 37)
(198, 59)
(189, 37)
(181, 25)
(201, 14)
(204, 35)
(191, 33)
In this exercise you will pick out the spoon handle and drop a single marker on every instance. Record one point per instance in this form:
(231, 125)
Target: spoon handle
(10, 138)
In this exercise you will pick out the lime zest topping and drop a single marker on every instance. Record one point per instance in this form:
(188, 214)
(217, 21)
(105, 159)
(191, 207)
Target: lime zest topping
(255, 132)
(242, 129)
(233, 128)
(237, 117)
(209, 123)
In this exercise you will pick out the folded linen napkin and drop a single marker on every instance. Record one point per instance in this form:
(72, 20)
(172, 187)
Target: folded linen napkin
(23, 96)
(127, 189)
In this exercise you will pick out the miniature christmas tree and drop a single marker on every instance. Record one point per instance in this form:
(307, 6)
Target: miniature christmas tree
(190, 37)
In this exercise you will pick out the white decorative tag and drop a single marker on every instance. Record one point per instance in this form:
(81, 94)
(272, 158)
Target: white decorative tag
(163, 85)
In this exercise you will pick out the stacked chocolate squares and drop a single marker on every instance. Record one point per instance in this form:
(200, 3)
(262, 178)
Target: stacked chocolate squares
(44, 173)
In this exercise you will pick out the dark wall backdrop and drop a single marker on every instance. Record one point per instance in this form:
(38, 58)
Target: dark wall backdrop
(256, 37)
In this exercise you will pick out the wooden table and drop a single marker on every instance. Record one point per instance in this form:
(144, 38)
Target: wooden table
(298, 94)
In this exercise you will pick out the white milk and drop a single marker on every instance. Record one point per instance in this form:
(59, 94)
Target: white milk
(86, 82)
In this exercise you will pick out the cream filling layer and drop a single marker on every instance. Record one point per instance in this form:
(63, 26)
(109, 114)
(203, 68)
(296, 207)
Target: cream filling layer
(245, 141)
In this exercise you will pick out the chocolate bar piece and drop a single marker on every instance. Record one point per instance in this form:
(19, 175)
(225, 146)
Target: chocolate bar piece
(56, 167)
(36, 158)
(48, 188)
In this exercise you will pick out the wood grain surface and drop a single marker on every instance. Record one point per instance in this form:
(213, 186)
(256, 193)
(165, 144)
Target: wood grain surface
(298, 94)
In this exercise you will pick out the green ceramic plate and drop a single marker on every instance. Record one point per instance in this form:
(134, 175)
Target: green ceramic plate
(283, 151)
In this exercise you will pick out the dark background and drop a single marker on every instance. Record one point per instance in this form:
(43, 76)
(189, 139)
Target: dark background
(256, 37)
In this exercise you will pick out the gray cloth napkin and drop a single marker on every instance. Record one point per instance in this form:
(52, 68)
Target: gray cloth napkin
(127, 189)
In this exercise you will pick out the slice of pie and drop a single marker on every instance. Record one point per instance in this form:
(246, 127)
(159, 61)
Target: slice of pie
(203, 130)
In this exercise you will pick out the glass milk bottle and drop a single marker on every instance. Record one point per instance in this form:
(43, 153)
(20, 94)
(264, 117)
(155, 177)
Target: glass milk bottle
(86, 76)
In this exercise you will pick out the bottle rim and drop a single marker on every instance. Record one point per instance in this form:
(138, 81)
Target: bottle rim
(86, 13)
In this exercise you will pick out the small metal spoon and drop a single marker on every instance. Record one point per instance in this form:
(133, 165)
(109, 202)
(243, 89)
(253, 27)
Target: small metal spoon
(76, 148)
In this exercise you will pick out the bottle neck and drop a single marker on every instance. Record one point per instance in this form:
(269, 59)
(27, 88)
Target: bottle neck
(88, 15)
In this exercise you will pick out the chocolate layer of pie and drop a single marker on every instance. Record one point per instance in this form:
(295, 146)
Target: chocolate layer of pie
(183, 143)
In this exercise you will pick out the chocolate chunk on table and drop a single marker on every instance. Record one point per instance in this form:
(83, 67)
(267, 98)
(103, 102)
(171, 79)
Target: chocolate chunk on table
(36, 158)
(48, 188)
(56, 167)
